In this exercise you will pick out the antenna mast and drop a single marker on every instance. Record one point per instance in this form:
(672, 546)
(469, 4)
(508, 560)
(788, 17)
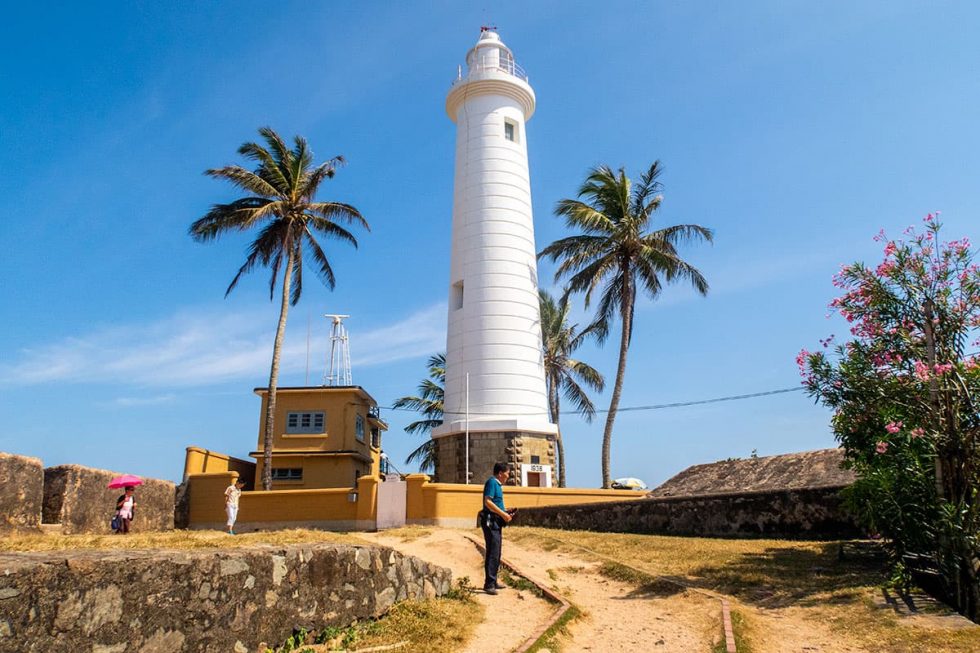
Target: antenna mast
(338, 370)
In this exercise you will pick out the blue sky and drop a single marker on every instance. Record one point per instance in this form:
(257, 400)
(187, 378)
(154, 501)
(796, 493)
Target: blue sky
(795, 130)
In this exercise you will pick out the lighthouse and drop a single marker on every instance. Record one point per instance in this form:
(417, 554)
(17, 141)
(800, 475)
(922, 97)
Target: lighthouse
(495, 406)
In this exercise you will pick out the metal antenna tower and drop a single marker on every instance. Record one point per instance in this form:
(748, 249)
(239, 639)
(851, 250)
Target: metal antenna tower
(338, 365)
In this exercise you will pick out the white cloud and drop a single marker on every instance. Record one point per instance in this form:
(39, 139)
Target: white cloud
(201, 347)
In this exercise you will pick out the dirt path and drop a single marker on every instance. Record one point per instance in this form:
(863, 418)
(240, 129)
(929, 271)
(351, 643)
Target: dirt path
(620, 617)
(617, 617)
(511, 616)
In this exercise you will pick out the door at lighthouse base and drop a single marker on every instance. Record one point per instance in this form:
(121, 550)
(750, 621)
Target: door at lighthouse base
(534, 475)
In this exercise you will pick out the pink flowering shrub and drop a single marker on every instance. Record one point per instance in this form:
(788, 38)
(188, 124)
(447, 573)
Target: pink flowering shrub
(905, 395)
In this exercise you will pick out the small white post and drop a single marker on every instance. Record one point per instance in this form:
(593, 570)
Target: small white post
(467, 428)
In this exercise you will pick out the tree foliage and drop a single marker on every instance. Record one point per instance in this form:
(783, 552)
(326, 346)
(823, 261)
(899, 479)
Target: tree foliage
(619, 255)
(565, 375)
(428, 402)
(904, 393)
(280, 202)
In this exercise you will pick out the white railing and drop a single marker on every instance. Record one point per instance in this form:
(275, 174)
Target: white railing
(507, 66)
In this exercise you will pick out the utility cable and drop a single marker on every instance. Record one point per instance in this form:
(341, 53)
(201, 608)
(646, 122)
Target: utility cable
(678, 404)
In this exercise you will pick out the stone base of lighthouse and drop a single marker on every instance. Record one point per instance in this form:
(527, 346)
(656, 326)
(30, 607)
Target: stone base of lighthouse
(530, 456)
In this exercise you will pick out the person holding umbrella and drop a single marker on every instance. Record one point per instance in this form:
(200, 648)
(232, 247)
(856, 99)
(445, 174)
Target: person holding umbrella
(126, 503)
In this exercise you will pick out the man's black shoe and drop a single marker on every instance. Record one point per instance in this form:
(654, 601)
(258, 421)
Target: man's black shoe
(490, 590)
(498, 586)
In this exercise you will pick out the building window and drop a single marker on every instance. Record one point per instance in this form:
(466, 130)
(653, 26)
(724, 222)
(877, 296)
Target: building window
(458, 295)
(535, 460)
(359, 428)
(376, 437)
(287, 473)
(305, 422)
(510, 130)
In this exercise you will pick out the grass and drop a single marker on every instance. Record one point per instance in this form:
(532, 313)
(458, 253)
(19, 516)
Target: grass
(551, 639)
(837, 584)
(170, 540)
(738, 628)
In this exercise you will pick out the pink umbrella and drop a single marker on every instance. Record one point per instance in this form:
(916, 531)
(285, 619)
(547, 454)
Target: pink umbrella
(124, 481)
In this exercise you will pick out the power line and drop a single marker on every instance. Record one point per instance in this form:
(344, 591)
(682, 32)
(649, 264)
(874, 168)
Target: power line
(678, 404)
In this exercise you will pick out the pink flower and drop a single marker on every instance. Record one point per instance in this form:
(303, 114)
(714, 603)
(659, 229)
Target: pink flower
(890, 248)
(921, 371)
(917, 433)
(894, 427)
(942, 368)
(881, 447)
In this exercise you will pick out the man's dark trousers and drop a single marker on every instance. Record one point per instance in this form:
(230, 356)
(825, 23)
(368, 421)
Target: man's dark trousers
(492, 537)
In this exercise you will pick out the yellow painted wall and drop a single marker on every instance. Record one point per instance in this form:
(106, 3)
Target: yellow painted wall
(452, 504)
(330, 508)
(319, 471)
(441, 504)
(202, 461)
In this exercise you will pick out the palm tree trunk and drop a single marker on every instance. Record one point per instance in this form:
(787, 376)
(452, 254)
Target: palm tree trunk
(553, 407)
(624, 344)
(270, 411)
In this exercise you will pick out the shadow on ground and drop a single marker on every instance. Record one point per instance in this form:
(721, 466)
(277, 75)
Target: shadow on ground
(835, 573)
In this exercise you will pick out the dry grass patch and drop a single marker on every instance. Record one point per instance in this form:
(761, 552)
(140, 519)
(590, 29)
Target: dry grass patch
(171, 540)
(407, 533)
(433, 626)
(832, 584)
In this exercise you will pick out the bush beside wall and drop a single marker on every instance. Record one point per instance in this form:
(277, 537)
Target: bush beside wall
(78, 498)
(21, 493)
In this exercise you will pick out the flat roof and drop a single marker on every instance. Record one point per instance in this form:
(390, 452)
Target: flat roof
(318, 388)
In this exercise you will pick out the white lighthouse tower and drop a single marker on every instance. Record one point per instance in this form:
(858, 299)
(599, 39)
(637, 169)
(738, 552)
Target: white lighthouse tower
(495, 399)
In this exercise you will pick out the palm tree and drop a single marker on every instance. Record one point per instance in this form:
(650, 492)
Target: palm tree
(562, 372)
(280, 202)
(429, 403)
(617, 251)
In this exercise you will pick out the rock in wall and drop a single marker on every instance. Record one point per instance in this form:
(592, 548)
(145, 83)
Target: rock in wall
(78, 499)
(811, 513)
(153, 601)
(21, 493)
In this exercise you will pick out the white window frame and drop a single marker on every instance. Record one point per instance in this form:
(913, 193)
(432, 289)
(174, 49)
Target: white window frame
(287, 473)
(310, 422)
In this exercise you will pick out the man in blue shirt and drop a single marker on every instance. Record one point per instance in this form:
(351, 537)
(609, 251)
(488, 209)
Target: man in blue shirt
(493, 517)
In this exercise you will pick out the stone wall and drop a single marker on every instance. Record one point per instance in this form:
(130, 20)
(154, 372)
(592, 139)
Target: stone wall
(485, 449)
(188, 601)
(805, 513)
(78, 498)
(21, 492)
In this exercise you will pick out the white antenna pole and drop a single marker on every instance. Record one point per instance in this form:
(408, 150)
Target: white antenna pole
(338, 367)
(467, 428)
(309, 325)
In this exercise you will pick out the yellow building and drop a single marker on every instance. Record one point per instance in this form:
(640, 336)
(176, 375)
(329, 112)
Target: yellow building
(323, 437)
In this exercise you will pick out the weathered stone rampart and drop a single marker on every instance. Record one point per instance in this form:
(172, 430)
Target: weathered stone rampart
(154, 601)
(814, 513)
(21, 492)
(78, 498)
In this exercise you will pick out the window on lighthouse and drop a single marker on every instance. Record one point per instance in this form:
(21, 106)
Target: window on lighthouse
(458, 295)
(510, 130)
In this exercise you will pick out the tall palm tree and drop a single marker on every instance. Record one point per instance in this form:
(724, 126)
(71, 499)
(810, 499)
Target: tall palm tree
(429, 403)
(281, 202)
(617, 252)
(563, 373)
